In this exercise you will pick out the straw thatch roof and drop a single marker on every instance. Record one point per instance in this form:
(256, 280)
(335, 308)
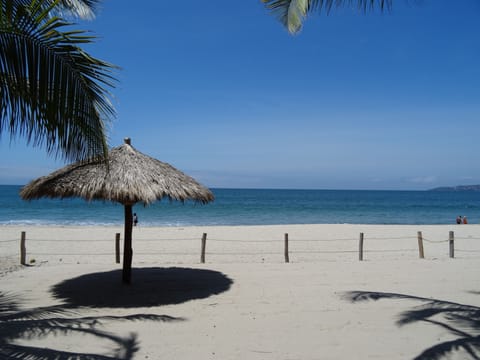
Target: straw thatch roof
(131, 177)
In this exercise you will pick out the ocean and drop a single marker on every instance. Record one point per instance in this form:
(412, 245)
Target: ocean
(253, 207)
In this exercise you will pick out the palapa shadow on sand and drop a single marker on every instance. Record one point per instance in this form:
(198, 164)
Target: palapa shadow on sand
(150, 287)
(462, 321)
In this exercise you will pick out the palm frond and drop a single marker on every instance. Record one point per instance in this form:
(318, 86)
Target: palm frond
(41, 313)
(460, 320)
(8, 304)
(292, 13)
(471, 345)
(83, 9)
(52, 92)
(52, 321)
(14, 351)
(358, 295)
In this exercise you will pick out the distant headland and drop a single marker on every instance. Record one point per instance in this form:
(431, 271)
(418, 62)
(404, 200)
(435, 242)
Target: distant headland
(458, 188)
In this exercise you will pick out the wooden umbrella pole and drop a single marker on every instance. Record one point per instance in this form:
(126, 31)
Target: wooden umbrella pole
(127, 249)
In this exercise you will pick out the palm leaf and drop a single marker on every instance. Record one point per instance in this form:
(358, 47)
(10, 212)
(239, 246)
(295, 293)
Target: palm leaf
(459, 320)
(470, 345)
(84, 9)
(292, 13)
(52, 92)
(13, 351)
(51, 321)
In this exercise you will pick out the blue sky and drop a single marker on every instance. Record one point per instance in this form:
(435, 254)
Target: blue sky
(221, 91)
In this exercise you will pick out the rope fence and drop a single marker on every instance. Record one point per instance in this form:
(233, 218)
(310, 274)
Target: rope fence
(7, 240)
(197, 247)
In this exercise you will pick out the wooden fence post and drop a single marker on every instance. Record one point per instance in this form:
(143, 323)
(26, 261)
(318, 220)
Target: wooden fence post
(451, 244)
(204, 244)
(360, 247)
(23, 249)
(117, 248)
(420, 245)
(287, 258)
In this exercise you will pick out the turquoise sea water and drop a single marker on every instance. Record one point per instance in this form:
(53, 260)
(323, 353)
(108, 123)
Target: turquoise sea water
(254, 207)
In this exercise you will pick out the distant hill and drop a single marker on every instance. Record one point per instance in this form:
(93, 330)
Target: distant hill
(458, 188)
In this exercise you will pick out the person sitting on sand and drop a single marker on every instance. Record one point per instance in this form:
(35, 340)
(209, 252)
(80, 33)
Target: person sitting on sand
(459, 219)
(465, 221)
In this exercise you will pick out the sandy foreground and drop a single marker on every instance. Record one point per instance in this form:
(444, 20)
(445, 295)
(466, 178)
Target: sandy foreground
(244, 302)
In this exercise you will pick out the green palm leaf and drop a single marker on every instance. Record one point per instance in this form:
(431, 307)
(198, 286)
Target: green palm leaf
(292, 13)
(51, 91)
(84, 9)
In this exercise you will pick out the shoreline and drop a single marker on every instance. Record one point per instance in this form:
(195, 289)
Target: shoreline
(226, 226)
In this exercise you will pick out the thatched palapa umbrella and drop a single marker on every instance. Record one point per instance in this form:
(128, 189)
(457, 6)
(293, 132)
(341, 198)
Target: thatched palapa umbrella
(127, 177)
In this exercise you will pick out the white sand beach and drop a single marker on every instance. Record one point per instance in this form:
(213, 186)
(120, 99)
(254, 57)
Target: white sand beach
(244, 302)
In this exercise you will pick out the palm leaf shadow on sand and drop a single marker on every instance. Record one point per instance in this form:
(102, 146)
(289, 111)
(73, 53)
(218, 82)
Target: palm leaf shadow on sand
(17, 324)
(150, 287)
(462, 321)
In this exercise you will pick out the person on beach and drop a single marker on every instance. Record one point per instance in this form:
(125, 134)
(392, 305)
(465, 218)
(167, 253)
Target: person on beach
(135, 219)
(459, 219)
(465, 221)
